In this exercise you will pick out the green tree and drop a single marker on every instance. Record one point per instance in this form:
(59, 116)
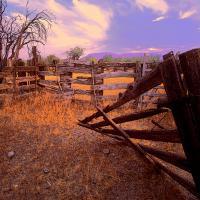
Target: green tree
(93, 60)
(75, 53)
(108, 58)
(52, 59)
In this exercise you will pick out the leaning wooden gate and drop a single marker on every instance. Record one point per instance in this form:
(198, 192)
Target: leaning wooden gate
(181, 79)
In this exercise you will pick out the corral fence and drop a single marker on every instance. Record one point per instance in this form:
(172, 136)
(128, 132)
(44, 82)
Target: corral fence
(71, 80)
(181, 80)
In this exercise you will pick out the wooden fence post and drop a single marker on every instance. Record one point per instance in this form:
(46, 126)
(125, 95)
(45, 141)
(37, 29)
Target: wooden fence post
(183, 114)
(14, 81)
(190, 65)
(34, 63)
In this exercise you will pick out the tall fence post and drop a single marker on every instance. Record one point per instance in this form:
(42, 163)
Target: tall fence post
(183, 114)
(34, 62)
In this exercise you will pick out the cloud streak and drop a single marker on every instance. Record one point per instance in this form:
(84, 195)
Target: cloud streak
(157, 6)
(82, 24)
(159, 19)
(187, 14)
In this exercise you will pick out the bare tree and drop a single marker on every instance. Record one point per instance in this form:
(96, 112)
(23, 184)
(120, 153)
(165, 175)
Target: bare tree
(22, 30)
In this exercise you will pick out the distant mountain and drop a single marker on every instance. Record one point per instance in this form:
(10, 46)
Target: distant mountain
(100, 55)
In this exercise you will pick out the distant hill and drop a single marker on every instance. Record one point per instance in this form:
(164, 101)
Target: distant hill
(100, 55)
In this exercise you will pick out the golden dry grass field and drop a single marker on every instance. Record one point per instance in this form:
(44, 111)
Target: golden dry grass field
(56, 159)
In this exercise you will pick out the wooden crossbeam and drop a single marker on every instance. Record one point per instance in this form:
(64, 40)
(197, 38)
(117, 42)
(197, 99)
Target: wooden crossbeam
(114, 74)
(115, 136)
(131, 117)
(172, 158)
(171, 136)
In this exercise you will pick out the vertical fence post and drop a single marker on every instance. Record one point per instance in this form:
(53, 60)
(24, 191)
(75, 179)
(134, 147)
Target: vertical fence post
(183, 114)
(34, 63)
(190, 65)
(14, 80)
(93, 94)
(100, 81)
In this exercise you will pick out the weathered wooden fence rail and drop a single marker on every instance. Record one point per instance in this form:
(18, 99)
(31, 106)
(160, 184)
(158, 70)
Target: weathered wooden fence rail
(181, 80)
(68, 79)
(18, 80)
(95, 76)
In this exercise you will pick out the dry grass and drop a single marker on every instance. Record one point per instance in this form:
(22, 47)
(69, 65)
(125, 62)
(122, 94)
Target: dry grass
(42, 132)
(41, 110)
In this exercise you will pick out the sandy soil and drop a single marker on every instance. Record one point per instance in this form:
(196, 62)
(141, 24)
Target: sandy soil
(52, 163)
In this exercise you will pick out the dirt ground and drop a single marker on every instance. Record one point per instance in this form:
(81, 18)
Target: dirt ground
(51, 161)
(81, 165)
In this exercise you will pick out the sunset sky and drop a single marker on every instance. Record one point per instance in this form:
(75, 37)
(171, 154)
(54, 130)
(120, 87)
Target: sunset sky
(119, 26)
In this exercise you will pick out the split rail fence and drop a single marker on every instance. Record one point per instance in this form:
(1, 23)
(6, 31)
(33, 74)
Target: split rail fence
(62, 78)
(181, 80)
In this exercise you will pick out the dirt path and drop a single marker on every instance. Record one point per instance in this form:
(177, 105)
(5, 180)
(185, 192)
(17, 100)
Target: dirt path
(76, 164)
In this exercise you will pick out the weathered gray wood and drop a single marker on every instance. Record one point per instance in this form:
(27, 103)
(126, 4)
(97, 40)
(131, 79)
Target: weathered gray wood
(179, 179)
(27, 87)
(131, 117)
(85, 92)
(148, 82)
(48, 84)
(26, 69)
(49, 73)
(75, 70)
(4, 86)
(172, 158)
(25, 79)
(154, 95)
(190, 65)
(111, 86)
(171, 136)
(108, 97)
(114, 74)
(183, 115)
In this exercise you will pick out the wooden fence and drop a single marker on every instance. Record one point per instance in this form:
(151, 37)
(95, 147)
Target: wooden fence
(95, 77)
(69, 79)
(18, 80)
(181, 80)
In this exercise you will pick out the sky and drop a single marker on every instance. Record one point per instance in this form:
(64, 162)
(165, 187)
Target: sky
(119, 26)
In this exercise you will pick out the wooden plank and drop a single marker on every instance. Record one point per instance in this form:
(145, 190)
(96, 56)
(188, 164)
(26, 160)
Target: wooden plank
(4, 86)
(27, 87)
(154, 95)
(131, 117)
(117, 64)
(49, 73)
(85, 92)
(25, 79)
(48, 84)
(114, 74)
(171, 136)
(26, 69)
(115, 86)
(190, 65)
(86, 81)
(75, 70)
(108, 97)
(172, 158)
(115, 136)
(183, 115)
(148, 82)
